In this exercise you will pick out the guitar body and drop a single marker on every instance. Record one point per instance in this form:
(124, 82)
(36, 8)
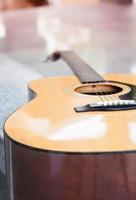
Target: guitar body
(35, 174)
(55, 153)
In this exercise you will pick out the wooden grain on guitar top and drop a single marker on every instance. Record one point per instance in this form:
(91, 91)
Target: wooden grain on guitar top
(49, 122)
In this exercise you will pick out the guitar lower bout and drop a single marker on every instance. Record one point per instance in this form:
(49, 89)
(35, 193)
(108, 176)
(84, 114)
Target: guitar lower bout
(48, 121)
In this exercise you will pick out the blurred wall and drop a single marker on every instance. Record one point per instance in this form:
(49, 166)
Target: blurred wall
(14, 4)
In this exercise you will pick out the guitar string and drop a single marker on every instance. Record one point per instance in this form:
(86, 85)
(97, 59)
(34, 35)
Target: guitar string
(106, 98)
(113, 98)
(100, 96)
(93, 88)
(93, 78)
(64, 58)
(85, 75)
(102, 93)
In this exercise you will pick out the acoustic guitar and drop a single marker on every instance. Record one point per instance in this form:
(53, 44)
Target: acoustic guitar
(75, 139)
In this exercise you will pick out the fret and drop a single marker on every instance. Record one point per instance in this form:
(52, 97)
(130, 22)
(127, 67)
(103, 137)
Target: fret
(81, 69)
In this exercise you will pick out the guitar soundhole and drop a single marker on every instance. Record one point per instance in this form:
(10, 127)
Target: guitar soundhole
(100, 89)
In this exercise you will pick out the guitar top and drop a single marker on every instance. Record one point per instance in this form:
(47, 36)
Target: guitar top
(76, 114)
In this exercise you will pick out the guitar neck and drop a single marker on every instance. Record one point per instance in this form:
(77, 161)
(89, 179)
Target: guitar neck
(81, 69)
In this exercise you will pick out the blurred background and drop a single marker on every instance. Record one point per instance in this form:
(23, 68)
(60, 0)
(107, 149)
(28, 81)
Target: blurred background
(13, 4)
(103, 32)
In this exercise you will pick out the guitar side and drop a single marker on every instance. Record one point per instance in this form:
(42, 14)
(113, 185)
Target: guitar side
(44, 175)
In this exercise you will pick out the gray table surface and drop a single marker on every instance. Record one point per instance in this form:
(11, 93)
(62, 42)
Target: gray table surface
(13, 93)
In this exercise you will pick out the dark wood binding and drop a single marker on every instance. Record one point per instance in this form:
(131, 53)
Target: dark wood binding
(81, 69)
(35, 174)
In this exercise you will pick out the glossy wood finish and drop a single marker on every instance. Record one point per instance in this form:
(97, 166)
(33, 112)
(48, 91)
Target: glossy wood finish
(49, 121)
(42, 175)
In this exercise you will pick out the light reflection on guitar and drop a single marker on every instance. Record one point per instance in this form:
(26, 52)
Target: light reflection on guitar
(75, 139)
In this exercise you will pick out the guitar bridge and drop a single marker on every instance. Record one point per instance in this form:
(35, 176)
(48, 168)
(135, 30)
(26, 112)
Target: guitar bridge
(116, 105)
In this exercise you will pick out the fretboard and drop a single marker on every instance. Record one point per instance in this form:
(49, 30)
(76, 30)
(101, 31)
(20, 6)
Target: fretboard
(81, 69)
